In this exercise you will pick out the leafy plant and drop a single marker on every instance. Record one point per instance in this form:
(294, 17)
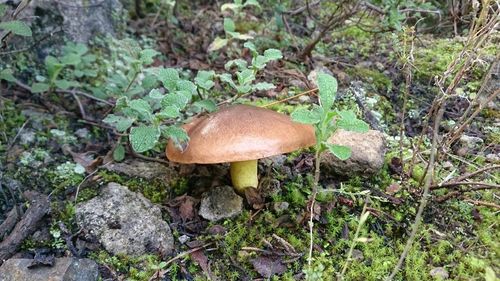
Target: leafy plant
(147, 118)
(16, 27)
(74, 57)
(326, 120)
(229, 25)
(246, 74)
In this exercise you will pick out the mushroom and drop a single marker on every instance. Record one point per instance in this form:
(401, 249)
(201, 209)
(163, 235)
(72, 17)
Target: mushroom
(241, 134)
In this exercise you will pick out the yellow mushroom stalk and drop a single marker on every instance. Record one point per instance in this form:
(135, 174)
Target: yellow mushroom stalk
(244, 175)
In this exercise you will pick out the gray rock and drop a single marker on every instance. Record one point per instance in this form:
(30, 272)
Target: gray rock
(125, 222)
(439, 273)
(368, 150)
(280, 206)
(493, 158)
(81, 19)
(143, 169)
(220, 203)
(27, 137)
(64, 269)
(470, 141)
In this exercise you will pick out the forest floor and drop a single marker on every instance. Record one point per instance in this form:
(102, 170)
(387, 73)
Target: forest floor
(46, 146)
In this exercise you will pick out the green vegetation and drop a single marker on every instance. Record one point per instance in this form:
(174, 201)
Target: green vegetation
(179, 60)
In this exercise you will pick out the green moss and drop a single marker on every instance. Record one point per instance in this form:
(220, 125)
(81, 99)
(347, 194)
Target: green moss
(377, 79)
(155, 190)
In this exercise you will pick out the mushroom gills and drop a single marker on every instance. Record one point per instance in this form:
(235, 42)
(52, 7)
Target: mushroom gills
(244, 175)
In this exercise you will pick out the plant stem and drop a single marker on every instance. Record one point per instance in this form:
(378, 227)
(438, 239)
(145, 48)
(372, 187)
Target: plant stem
(313, 200)
(353, 244)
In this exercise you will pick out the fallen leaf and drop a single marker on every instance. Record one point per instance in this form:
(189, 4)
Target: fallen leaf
(268, 266)
(201, 259)
(186, 209)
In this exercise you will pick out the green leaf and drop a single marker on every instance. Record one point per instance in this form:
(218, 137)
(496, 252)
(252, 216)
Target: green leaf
(119, 122)
(39, 87)
(240, 64)
(226, 77)
(245, 77)
(349, 122)
(243, 89)
(273, 54)
(3, 9)
(65, 84)
(305, 116)
(239, 36)
(149, 81)
(259, 62)
(251, 3)
(146, 56)
(208, 105)
(71, 59)
(251, 47)
(142, 107)
(340, 151)
(217, 44)
(144, 138)
(229, 25)
(263, 86)
(6, 75)
(327, 90)
(177, 135)
(177, 99)
(53, 67)
(204, 79)
(156, 94)
(186, 86)
(119, 153)
(170, 111)
(169, 77)
(16, 27)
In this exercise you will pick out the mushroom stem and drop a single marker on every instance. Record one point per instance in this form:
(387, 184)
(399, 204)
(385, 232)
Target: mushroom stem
(244, 175)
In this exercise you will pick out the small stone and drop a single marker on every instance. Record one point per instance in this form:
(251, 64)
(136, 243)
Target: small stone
(82, 133)
(183, 238)
(380, 66)
(367, 158)
(357, 255)
(64, 269)
(280, 206)
(493, 157)
(27, 137)
(220, 203)
(304, 99)
(125, 222)
(469, 141)
(448, 165)
(439, 273)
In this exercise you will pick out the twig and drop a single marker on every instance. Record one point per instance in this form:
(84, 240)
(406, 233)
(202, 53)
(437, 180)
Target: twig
(457, 184)
(17, 135)
(482, 203)
(292, 97)
(39, 207)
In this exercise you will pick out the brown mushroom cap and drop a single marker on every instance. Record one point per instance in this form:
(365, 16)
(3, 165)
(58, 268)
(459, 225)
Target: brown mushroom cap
(240, 133)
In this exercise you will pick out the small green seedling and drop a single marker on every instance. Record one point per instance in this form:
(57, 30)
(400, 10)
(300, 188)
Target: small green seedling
(246, 74)
(16, 27)
(326, 120)
(229, 25)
